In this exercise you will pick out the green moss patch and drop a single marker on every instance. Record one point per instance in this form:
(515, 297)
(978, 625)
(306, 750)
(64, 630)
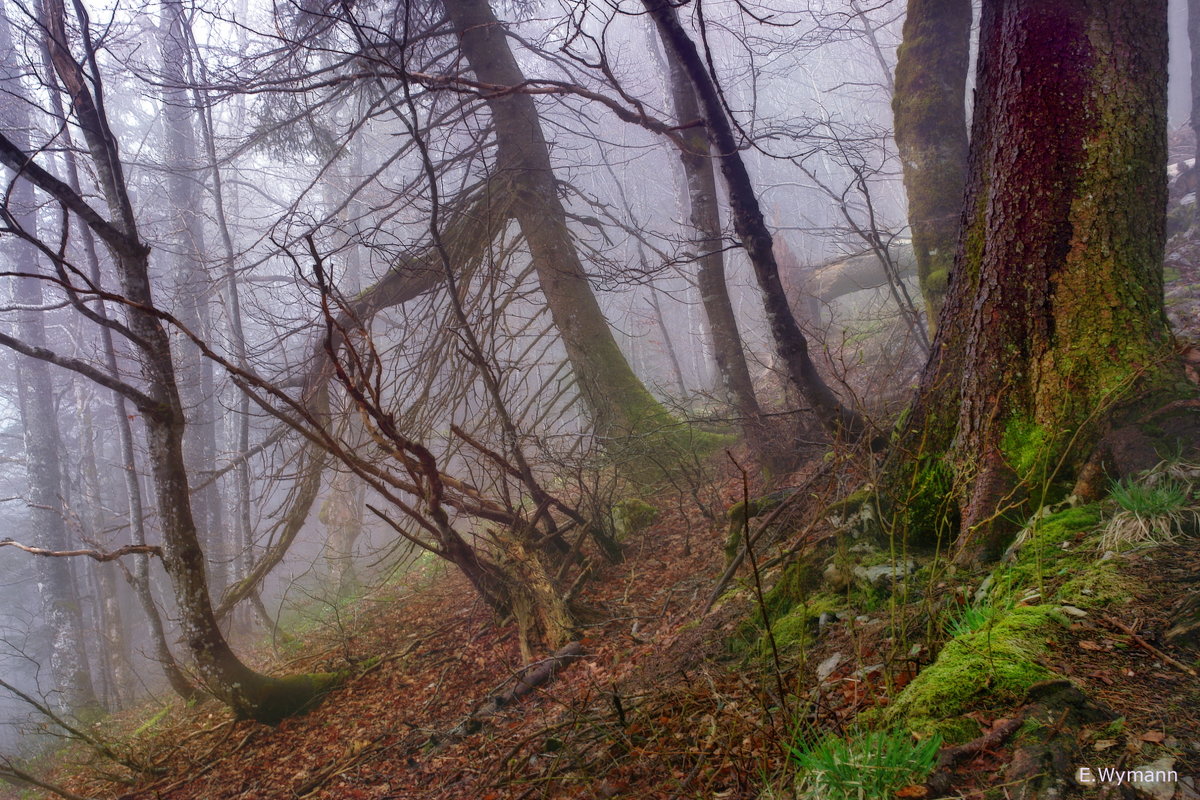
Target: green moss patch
(632, 515)
(989, 667)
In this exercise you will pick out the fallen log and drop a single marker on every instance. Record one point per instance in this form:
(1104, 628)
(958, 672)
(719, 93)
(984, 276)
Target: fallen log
(528, 679)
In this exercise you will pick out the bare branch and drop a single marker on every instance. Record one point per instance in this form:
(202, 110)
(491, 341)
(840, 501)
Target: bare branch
(127, 550)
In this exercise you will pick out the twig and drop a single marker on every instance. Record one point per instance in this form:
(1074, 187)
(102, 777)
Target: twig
(1140, 642)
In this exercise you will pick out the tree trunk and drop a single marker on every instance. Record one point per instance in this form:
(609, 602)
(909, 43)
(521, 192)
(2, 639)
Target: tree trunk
(247, 692)
(192, 282)
(618, 403)
(139, 576)
(931, 135)
(700, 175)
(1193, 32)
(112, 628)
(751, 228)
(1054, 325)
(35, 392)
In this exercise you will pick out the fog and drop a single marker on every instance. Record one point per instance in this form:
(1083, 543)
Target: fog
(321, 186)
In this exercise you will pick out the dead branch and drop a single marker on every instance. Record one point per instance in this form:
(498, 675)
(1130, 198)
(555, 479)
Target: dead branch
(1142, 643)
(528, 679)
(949, 757)
(127, 550)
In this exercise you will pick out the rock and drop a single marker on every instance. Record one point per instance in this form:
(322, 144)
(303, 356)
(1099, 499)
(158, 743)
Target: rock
(826, 667)
(1072, 611)
(826, 619)
(1162, 778)
(837, 576)
(885, 576)
(632, 515)
(985, 588)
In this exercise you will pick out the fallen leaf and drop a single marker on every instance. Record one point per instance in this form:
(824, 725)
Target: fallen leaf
(1154, 737)
(913, 791)
(1104, 744)
(1087, 644)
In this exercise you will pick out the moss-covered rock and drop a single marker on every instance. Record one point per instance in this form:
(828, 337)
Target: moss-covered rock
(796, 629)
(632, 515)
(273, 700)
(989, 667)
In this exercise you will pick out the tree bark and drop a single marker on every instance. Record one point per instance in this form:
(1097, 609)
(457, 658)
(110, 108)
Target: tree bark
(1193, 33)
(929, 105)
(249, 693)
(751, 228)
(617, 402)
(699, 172)
(1054, 324)
(186, 253)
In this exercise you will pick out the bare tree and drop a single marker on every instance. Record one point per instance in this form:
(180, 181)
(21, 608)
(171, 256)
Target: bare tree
(249, 693)
(35, 387)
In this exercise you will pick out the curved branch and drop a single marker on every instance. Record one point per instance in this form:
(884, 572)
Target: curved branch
(127, 550)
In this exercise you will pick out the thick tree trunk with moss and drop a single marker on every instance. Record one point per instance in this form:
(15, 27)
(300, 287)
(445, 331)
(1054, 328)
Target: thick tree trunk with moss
(931, 134)
(617, 401)
(1053, 326)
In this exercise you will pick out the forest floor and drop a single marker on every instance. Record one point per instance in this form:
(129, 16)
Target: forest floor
(666, 702)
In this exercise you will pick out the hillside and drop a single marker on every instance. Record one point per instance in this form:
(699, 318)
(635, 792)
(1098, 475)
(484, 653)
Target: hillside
(1054, 660)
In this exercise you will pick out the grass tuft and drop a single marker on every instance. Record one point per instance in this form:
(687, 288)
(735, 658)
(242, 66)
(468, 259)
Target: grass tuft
(874, 764)
(1155, 509)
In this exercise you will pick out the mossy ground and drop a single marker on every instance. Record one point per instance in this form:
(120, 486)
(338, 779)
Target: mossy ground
(987, 668)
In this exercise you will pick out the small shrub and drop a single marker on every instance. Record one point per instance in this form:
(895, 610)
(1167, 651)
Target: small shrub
(867, 766)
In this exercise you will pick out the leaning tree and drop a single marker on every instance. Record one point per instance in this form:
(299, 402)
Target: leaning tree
(155, 395)
(1053, 330)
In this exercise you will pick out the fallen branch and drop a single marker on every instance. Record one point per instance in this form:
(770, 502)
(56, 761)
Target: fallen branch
(938, 784)
(127, 550)
(537, 674)
(22, 779)
(1142, 643)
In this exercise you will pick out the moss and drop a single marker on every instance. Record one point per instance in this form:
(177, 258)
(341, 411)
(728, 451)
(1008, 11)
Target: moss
(275, 699)
(1042, 555)
(793, 589)
(1026, 448)
(851, 504)
(632, 515)
(1098, 585)
(929, 515)
(794, 630)
(986, 668)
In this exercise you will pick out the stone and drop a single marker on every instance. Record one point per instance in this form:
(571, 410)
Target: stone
(884, 576)
(826, 667)
(1161, 785)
